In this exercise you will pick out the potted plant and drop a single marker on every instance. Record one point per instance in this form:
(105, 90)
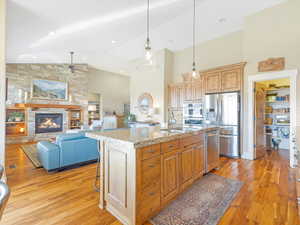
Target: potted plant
(17, 116)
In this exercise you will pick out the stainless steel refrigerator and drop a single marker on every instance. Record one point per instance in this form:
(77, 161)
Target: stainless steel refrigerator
(224, 110)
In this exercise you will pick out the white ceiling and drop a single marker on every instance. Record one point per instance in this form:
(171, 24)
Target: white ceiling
(45, 31)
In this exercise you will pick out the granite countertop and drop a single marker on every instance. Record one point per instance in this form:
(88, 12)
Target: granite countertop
(141, 137)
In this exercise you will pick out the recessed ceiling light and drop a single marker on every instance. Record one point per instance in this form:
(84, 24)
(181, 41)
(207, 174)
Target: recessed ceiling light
(222, 20)
(51, 33)
(113, 41)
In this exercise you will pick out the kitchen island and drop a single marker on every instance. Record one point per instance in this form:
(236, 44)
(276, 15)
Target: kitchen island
(143, 169)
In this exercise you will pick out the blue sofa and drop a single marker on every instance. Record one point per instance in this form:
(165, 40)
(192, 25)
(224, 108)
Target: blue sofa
(69, 149)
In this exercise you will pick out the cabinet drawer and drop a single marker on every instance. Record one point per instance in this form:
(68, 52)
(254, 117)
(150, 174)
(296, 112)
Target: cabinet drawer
(170, 146)
(148, 207)
(151, 171)
(153, 190)
(195, 139)
(150, 151)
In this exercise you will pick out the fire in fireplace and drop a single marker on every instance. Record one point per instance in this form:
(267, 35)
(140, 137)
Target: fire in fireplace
(48, 122)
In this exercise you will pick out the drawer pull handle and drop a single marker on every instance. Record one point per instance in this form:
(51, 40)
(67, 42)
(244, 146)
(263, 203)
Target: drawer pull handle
(171, 146)
(152, 193)
(151, 166)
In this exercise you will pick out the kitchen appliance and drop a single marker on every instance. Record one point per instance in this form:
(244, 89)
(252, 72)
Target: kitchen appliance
(193, 113)
(223, 110)
(193, 109)
(212, 150)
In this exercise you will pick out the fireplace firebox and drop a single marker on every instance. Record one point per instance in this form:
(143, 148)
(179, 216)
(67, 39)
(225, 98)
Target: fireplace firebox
(48, 122)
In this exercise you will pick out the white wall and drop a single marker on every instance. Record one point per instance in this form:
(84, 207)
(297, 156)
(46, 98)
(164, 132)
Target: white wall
(152, 81)
(273, 32)
(2, 80)
(218, 52)
(114, 89)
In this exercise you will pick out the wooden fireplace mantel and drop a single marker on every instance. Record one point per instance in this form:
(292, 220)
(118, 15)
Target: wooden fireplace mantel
(37, 106)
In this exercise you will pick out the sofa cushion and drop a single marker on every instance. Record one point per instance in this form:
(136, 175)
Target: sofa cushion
(47, 146)
(68, 137)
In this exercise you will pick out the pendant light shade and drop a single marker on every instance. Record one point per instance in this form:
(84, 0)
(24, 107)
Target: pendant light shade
(148, 45)
(194, 72)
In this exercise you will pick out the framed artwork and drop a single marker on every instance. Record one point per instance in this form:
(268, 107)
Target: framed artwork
(49, 89)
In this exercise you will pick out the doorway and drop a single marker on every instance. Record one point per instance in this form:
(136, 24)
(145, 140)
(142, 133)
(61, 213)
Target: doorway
(262, 100)
(272, 116)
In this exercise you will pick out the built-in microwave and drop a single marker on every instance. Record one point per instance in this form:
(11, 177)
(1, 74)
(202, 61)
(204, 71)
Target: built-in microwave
(193, 109)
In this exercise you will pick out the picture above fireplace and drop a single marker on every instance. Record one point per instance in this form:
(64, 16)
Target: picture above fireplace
(48, 122)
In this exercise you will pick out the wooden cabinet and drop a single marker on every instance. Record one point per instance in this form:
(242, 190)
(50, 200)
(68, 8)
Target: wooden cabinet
(170, 176)
(223, 79)
(212, 82)
(176, 95)
(198, 90)
(199, 162)
(164, 170)
(189, 90)
(231, 80)
(186, 167)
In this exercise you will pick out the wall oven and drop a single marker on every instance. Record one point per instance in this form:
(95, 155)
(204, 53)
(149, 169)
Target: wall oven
(193, 113)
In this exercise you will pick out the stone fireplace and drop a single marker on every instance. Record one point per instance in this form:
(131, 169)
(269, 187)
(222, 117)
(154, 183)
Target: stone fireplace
(48, 122)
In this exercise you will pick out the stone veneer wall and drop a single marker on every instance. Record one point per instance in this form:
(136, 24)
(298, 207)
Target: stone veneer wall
(20, 78)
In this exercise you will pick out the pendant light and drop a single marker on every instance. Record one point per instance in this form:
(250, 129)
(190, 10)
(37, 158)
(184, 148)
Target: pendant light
(194, 73)
(71, 66)
(147, 45)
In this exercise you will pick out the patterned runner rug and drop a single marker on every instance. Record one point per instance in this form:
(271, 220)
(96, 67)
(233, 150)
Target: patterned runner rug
(31, 152)
(204, 203)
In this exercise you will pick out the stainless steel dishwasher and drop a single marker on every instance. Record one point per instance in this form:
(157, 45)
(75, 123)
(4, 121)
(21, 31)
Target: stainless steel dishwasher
(212, 150)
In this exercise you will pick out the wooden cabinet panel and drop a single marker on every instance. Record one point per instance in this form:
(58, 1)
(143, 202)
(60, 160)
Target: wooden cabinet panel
(151, 170)
(198, 90)
(186, 167)
(150, 151)
(231, 80)
(188, 96)
(212, 82)
(149, 204)
(170, 146)
(193, 139)
(176, 95)
(199, 161)
(170, 176)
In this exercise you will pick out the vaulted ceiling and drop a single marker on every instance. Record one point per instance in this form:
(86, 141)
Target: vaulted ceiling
(109, 33)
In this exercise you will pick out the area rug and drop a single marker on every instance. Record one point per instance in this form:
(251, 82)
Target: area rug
(204, 203)
(31, 152)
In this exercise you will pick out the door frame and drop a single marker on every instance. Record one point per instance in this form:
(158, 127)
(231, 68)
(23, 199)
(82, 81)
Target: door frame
(249, 150)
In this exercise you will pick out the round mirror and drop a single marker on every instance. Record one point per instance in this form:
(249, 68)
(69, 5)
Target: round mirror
(145, 103)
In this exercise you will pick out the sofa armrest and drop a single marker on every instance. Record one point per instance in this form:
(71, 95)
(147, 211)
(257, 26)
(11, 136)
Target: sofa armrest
(48, 154)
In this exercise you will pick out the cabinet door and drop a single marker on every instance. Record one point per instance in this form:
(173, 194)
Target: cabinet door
(198, 161)
(212, 82)
(198, 90)
(170, 176)
(181, 92)
(231, 80)
(186, 167)
(188, 91)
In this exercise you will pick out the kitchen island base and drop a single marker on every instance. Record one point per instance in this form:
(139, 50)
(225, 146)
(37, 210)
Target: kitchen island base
(139, 178)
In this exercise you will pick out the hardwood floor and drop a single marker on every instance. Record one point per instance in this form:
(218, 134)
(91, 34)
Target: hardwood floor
(67, 198)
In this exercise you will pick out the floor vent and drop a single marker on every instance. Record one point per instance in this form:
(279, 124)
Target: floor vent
(13, 166)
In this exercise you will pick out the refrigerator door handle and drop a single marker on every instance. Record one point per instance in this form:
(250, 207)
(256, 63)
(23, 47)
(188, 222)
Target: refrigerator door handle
(217, 109)
(219, 106)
